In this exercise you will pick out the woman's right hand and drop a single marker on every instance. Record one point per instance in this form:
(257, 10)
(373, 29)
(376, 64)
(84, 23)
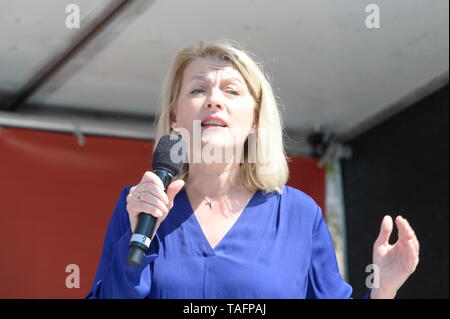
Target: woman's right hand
(153, 199)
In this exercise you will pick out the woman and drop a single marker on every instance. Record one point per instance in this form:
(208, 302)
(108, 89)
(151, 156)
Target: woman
(234, 229)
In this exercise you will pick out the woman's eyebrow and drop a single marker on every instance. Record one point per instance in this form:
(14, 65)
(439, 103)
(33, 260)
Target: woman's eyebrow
(232, 79)
(198, 77)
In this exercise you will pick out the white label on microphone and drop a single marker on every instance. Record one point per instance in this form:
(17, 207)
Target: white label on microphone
(141, 239)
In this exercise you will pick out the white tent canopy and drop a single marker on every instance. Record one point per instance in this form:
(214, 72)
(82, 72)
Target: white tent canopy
(328, 69)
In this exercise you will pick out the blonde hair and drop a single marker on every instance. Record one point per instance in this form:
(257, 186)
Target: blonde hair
(270, 170)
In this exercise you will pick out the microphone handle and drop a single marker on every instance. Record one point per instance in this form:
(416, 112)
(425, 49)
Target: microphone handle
(140, 241)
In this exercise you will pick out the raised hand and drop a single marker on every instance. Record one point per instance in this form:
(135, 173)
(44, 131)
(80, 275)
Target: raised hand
(149, 197)
(395, 262)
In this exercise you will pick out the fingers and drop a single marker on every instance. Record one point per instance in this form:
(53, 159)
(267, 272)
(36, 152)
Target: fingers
(405, 231)
(152, 198)
(150, 177)
(137, 208)
(148, 204)
(385, 231)
(407, 235)
(414, 245)
(149, 197)
(413, 254)
(149, 189)
(417, 245)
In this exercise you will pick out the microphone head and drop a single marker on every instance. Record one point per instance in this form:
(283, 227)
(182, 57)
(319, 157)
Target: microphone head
(170, 153)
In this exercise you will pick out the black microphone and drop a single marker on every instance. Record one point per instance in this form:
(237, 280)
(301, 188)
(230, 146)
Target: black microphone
(167, 162)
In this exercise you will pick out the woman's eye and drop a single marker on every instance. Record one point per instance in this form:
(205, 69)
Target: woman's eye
(233, 92)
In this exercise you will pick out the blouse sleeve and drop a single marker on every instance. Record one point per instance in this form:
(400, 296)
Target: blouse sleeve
(115, 278)
(324, 278)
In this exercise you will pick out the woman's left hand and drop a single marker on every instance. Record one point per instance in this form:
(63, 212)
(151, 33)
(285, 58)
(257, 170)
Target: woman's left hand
(395, 262)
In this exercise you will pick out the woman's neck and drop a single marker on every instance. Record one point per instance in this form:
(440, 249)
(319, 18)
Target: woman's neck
(214, 179)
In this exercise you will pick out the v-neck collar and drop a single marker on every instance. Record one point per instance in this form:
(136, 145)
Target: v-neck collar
(197, 227)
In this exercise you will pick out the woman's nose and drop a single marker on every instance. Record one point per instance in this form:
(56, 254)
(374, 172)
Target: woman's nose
(209, 106)
(214, 100)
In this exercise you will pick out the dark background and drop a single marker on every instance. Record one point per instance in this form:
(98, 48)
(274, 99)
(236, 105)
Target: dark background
(400, 167)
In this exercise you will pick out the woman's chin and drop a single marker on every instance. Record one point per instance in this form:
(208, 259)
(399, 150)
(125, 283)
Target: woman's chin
(215, 141)
(215, 136)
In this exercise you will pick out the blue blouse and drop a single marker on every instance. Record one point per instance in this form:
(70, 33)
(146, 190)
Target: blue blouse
(279, 247)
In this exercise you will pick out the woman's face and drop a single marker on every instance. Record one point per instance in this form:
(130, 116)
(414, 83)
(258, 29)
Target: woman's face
(214, 97)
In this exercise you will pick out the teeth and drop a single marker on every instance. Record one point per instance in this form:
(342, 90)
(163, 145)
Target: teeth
(213, 122)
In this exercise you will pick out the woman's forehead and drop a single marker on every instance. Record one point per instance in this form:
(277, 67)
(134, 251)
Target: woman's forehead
(204, 66)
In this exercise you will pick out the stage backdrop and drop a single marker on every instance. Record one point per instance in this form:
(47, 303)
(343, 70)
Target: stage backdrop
(56, 199)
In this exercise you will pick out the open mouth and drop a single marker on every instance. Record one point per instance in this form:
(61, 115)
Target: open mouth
(213, 123)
